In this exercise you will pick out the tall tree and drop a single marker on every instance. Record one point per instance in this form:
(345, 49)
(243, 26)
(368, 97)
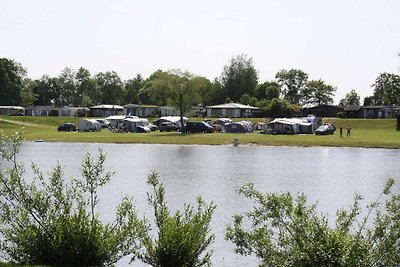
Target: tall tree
(132, 87)
(387, 89)
(153, 91)
(11, 82)
(293, 84)
(111, 87)
(351, 99)
(47, 91)
(319, 93)
(181, 91)
(28, 97)
(205, 90)
(268, 90)
(239, 77)
(87, 90)
(68, 91)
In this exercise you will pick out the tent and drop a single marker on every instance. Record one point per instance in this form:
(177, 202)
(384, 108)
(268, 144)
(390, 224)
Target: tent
(239, 127)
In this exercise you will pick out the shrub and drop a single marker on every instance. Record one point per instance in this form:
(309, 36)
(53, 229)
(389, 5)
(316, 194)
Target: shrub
(182, 238)
(286, 231)
(54, 222)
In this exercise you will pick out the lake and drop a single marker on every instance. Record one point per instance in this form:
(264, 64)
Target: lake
(330, 176)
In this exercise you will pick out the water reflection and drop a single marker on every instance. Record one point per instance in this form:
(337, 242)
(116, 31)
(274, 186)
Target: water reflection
(328, 175)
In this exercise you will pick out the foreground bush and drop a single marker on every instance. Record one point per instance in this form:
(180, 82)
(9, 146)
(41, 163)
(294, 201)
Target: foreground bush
(182, 238)
(286, 231)
(54, 222)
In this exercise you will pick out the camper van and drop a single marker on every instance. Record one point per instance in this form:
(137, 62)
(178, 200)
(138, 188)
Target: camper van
(89, 125)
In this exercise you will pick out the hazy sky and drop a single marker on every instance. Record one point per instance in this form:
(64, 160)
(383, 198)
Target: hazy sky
(346, 43)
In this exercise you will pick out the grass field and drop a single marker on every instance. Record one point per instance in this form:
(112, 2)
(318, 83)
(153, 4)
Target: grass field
(365, 133)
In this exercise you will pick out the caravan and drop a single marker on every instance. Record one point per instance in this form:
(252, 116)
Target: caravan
(89, 125)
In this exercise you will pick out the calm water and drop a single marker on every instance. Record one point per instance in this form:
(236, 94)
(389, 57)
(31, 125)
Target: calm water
(330, 176)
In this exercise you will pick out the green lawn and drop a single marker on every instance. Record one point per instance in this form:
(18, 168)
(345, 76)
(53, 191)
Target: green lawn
(365, 133)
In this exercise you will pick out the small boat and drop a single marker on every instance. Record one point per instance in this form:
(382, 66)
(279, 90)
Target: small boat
(38, 141)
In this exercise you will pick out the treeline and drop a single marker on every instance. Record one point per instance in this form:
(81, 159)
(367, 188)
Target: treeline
(55, 222)
(238, 82)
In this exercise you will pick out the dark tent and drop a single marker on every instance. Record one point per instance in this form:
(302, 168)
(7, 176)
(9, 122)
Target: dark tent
(238, 127)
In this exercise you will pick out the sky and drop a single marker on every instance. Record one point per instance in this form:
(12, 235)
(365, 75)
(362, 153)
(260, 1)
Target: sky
(346, 43)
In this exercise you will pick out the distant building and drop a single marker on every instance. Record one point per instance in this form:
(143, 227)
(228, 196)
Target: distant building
(323, 110)
(73, 112)
(141, 110)
(234, 110)
(378, 112)
(169, 111)
(353, 112)
(106, 110)
(12, 110)
(41, 111)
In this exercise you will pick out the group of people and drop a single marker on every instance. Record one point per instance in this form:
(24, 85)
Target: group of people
(348, 130)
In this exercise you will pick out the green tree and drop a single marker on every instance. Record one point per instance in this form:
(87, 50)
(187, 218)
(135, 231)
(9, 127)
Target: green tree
(351, 99)
(55, 222)
(11, 82)
(181, 91)
(183, 237)
(153, 91)
(319, 93)
(268, 91)
(248, 100)
(205, 90)
(47, 91)
(287, 231)
(368, 100)
(176, 88)
(111, 87)
(239, 77)
(28, 97)
(387, 89)
(87, 90)
(132, 88)
(68, 89)
(293, 85)
(278, 108)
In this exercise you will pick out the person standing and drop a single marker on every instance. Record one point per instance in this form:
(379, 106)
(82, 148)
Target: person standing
(341, 132)
(348, 130)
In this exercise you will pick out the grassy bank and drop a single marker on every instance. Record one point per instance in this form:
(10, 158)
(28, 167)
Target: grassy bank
(365, 133)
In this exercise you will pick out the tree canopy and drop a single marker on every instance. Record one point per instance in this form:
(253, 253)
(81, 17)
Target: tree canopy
(239, 77)
(351, 99)
(294, 85)
(11, 82)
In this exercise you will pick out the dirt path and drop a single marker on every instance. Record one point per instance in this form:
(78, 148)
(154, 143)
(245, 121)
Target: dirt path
(22, 123)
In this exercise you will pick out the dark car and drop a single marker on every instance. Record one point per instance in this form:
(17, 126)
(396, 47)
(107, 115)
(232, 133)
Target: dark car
(325, 129)
(67, 127)
(198, 127)
(168, 126)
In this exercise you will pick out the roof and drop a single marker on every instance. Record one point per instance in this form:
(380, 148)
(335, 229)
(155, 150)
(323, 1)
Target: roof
(291, 121)
(139, 106)
(74, 108)
(326, 106)
(106, 106)
(11, 107)
(120, 117)
(352, 108)
(233, 105)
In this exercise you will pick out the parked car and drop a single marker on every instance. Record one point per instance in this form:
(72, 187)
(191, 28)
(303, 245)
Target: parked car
(325, 129)
(67, 127)
(168, 126)
(198, 127)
